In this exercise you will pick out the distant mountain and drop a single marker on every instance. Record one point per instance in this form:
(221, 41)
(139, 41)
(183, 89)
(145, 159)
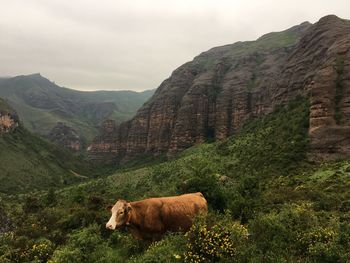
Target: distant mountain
(28, 162)
(41, 104)
(215, 94)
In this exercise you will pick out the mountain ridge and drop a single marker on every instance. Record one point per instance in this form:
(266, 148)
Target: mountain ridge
(41, 104)
(212, 96)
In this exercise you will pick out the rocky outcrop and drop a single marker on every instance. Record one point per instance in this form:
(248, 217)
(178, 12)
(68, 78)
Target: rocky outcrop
(65, 136)
(212, 96)
(330, 97)
(104, 147)
(8, 118)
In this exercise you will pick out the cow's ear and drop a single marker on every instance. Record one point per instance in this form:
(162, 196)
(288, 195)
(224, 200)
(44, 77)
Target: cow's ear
(128, 208)
(108, 208)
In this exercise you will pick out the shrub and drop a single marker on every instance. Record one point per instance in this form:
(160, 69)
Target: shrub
(212, 239)
(125, 241)
(32, 205)
(321, 244)
(275, 234)
(67, 254)
(170, 249)
(40, 251)
(82, 246)
(209, 186)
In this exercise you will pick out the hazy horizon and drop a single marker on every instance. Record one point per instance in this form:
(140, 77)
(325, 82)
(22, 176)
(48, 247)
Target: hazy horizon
(135, 45)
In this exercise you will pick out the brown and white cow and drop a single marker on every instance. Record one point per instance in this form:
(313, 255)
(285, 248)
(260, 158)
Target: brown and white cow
(149, 219)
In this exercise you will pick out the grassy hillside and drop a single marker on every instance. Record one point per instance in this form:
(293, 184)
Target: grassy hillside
(267, 204)
(40, 104)
(266, 43)
(28, 162)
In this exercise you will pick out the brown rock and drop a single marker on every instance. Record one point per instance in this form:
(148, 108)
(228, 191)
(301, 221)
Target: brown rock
(65, 136)
(213, 95)
(105, 146)
(9, 120)
(7, 123)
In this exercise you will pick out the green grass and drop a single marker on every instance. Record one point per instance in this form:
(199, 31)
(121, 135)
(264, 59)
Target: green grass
(266, 43)
(28, 162)
(4, 107)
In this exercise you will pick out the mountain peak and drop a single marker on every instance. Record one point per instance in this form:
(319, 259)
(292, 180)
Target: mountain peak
(329, 19)
(35, 75)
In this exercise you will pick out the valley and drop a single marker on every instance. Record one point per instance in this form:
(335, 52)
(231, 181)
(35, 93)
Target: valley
(41, 104)
(261, 128)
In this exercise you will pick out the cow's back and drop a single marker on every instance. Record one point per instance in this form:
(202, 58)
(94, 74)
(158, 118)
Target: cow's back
(178, 213)
(174, 213)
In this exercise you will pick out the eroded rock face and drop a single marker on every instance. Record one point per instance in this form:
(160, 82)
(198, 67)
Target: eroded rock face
(104, 147)
(8, 118)
(65, 136)
(7, 123)
(213, 95)
(330, 99)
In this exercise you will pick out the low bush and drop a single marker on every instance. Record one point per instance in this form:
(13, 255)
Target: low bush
(214, 238)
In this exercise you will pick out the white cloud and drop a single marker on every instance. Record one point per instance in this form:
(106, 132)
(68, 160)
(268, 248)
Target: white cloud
(110, 44)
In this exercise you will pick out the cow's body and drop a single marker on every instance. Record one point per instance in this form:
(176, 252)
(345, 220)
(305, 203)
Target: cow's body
(151, 218)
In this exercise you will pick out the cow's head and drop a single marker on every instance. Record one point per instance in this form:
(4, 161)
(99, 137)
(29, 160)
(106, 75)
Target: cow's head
(120, 214)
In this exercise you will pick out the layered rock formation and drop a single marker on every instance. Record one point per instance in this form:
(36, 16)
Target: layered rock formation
(65, 136)
(330, 96)
(104, 147)
(213, 95)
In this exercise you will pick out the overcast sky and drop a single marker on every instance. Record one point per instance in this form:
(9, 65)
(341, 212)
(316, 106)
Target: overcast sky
(135, 44)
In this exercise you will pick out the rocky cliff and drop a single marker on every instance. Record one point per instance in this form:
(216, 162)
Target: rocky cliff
(65, 136)
(104, 147)
(330, 93)
(8, 118)
(212, 96)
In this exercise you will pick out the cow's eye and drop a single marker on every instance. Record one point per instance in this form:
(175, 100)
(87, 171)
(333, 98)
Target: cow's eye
(121, 212)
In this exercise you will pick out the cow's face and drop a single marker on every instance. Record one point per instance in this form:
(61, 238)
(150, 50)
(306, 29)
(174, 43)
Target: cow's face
(120, 214)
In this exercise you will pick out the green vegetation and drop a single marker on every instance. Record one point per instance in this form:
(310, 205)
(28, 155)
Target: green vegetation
(28, 162)
(267, 204)
(252, 82)
(4, 107)
(268, 42)
(40, 104)
(339, 67)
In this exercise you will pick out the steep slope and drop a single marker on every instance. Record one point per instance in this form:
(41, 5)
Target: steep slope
(66, 137)
(40, 104)
(212, 96)
(28, 162)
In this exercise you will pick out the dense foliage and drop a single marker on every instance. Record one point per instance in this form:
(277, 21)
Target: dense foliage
(267, 204)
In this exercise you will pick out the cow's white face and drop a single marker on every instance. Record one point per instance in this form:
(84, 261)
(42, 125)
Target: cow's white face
(120, 214)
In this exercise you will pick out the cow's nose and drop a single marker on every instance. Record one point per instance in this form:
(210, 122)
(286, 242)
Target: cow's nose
(108, 226)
